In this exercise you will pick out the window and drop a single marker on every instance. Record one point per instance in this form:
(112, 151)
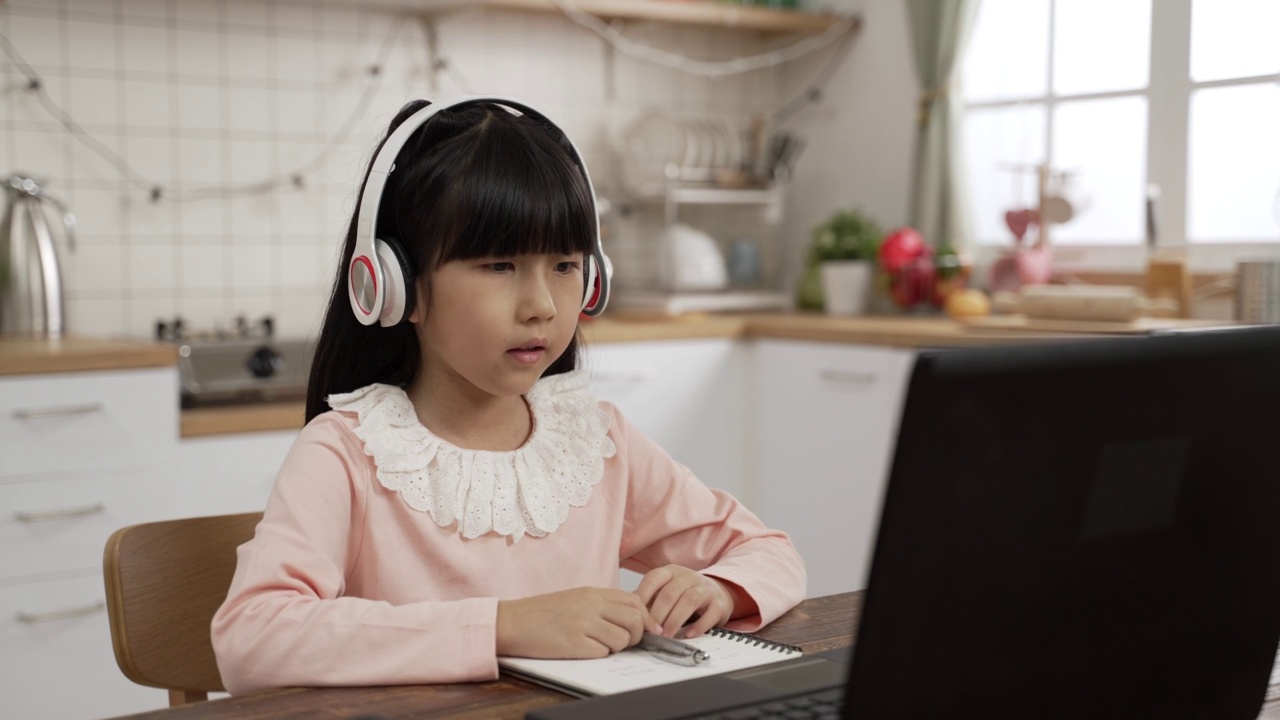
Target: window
(1114, 95)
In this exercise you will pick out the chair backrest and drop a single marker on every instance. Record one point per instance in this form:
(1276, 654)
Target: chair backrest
(165, 580)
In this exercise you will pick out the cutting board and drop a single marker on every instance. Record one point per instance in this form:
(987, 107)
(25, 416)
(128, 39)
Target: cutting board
(1139, 326)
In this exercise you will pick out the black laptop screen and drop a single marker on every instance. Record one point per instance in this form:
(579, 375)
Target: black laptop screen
(1081, 529)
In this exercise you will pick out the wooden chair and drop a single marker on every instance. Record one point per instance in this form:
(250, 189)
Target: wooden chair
(164, 582)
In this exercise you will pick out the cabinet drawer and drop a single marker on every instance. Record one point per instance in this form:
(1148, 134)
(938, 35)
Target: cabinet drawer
(56, 660)
(63, 524)
(77, 421)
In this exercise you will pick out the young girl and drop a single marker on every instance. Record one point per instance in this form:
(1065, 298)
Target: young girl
(457, 494)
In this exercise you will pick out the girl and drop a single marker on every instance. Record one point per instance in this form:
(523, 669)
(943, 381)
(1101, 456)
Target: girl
(457, 494)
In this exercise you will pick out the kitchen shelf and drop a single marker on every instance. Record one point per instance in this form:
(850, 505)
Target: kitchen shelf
(676, 194)
(666, 296)
(688, 12)
(686, 195)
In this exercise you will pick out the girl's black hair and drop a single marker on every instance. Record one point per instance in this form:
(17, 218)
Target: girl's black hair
(474, 181)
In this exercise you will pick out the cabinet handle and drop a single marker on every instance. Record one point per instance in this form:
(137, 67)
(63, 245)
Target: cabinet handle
(30, 618)
(57, 411)
(624, 376)
(60, 513)
(848, 377)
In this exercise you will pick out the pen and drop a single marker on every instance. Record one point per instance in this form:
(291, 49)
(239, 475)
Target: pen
(672, 650)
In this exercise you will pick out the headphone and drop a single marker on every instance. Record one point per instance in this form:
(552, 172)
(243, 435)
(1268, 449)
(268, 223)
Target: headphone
(380, 276)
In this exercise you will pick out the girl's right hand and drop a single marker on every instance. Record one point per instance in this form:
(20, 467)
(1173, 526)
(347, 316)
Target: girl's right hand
(584, 622)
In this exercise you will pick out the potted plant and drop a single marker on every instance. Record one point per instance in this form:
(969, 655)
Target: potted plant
(844, 249)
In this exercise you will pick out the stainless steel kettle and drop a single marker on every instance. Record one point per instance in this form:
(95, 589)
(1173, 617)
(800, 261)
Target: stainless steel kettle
(31, 298)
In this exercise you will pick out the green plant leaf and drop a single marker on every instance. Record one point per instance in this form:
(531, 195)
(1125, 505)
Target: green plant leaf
(847, 235)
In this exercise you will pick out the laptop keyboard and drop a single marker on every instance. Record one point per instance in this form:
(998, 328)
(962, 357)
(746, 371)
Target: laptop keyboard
(822, 705)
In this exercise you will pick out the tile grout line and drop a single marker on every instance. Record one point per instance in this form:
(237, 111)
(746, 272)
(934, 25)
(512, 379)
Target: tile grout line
(69, 296)
(178, 184)
(272, 72)
(225, 141)
(128, 209)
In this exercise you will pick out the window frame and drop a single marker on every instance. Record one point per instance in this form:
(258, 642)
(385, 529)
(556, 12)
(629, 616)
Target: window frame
(1168, 93)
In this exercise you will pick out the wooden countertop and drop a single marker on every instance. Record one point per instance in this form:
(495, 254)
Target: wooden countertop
(26, 355)
(681, 327)
(202, 422)
(891, 331)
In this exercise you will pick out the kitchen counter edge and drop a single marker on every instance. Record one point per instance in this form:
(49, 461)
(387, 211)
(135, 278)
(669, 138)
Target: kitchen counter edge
(28, 355)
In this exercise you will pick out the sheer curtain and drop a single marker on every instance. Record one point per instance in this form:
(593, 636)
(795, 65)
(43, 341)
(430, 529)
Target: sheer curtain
(940, 30)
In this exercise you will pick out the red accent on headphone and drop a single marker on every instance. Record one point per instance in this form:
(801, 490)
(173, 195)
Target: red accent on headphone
(595, 292)
(373, 278)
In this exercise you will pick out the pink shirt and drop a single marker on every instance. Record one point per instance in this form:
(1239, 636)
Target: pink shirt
(345, 584)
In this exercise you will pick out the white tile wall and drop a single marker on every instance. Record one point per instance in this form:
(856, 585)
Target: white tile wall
(199, 94)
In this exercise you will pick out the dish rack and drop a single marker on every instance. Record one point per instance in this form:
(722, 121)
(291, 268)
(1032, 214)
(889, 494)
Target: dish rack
(686, 176)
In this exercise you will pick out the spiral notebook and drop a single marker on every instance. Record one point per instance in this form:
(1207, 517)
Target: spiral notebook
(634, 668)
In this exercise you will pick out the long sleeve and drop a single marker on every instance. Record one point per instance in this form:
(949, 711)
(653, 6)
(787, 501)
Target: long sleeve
(673, 518)
(286, 621)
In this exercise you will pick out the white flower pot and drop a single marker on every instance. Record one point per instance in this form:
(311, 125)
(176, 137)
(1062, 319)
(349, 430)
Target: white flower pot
(846, 285)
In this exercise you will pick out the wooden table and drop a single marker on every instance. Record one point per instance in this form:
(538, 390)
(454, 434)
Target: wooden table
(819, 624)
(815, 625)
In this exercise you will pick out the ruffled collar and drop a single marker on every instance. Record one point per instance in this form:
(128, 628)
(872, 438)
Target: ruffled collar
(526, 490)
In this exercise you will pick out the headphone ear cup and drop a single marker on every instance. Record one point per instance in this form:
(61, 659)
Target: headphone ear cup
(400, 288)
(590, 275)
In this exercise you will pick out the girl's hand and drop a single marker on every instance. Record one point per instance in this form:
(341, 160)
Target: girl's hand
(582, 622)
(674, 593)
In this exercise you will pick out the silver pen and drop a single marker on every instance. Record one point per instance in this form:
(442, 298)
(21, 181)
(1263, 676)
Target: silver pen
(672, 650)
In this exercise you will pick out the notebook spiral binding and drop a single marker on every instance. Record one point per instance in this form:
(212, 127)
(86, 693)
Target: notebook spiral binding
(753, 640)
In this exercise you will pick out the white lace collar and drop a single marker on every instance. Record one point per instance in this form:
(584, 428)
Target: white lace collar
(526, 490)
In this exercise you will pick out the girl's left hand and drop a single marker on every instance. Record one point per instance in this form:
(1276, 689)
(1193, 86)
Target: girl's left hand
(674, 593)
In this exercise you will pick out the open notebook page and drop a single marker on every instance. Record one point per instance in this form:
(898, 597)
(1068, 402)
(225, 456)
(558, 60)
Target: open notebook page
(634, 668)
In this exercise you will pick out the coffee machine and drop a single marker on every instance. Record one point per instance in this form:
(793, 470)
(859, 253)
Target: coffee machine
(31, 297)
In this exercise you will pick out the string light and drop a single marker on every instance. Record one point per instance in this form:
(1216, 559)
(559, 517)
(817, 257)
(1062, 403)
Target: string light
(157, 191)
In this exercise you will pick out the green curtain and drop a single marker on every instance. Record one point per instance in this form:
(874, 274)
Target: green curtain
(940, 30)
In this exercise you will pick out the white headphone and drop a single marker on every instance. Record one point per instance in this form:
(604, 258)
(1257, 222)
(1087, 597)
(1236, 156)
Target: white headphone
(379, 278)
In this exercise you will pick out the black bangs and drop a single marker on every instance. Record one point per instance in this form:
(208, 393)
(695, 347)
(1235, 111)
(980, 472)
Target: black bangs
(512, 190)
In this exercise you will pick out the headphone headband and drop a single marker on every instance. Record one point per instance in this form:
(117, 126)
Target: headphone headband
(367, 270)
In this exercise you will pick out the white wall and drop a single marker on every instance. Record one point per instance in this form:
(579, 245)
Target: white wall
(193, 93)
(860, 137)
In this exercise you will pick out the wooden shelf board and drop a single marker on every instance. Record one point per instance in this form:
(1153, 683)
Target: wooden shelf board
(688, 12)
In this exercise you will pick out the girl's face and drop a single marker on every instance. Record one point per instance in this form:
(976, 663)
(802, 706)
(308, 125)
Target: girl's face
(495, 324)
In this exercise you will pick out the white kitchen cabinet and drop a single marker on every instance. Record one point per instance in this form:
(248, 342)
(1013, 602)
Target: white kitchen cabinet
(688, 396)
(224, 474)
(56, 659)
(827, 418)
(81, 454)
(78, 421)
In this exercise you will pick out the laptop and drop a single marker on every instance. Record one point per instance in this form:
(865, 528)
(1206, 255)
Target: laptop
(1077, 529)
